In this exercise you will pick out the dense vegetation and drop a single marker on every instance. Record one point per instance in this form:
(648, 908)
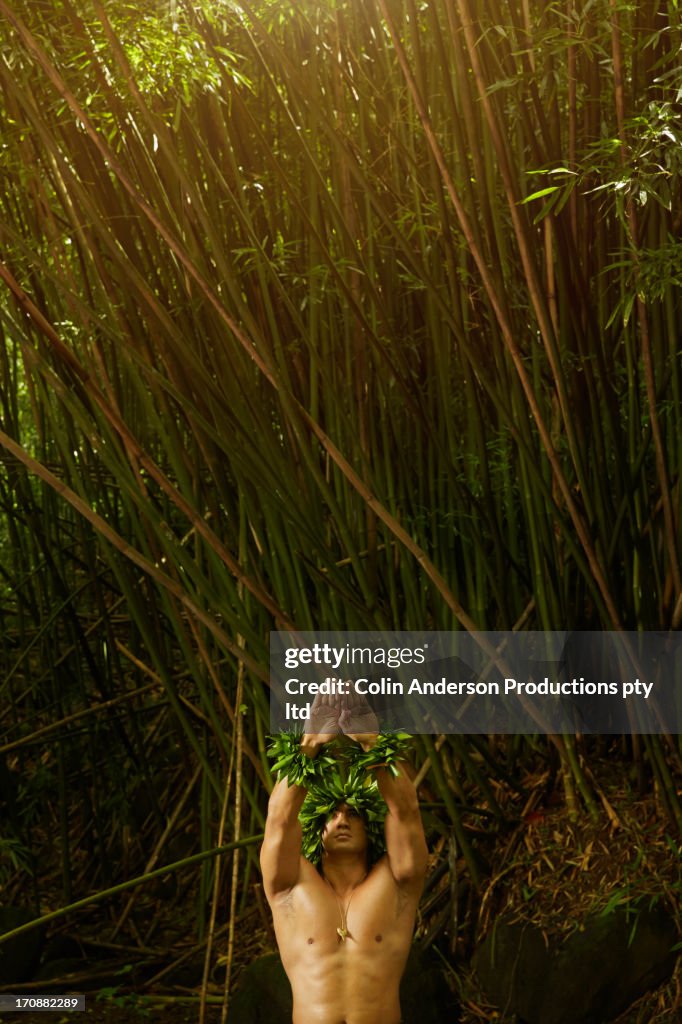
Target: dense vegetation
(336, 315)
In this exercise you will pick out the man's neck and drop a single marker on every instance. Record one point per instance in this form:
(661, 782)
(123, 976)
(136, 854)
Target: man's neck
(344, 872)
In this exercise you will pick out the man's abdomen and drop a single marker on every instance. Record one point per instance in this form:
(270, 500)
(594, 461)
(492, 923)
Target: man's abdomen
(346, 983)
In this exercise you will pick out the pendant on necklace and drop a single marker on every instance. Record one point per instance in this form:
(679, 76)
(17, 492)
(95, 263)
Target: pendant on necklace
(342, 934)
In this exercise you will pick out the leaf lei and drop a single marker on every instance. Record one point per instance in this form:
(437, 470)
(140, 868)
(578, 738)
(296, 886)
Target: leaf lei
(331, 781)
(388, 749)
(292, 764)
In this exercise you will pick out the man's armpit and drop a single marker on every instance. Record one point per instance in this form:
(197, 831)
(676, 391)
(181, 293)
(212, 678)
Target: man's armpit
(402, 900)
(285, 903)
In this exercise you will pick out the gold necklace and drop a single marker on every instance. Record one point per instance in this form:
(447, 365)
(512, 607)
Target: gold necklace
(343, 932)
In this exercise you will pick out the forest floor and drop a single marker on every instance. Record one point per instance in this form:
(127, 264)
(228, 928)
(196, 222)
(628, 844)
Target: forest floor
(152, 1013)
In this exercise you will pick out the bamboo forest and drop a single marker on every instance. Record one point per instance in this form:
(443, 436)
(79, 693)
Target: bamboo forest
(332, 315)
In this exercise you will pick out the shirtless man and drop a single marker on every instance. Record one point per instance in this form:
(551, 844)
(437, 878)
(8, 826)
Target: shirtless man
(344, 933)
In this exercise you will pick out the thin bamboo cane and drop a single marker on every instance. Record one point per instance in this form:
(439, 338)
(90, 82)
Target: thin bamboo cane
(131, 883)
(154, 856)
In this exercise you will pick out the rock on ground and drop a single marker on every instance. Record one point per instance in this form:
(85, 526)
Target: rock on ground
(589, 978)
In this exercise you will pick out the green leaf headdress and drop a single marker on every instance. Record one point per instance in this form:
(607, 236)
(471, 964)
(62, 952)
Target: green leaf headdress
(331, 781)
(360, 792)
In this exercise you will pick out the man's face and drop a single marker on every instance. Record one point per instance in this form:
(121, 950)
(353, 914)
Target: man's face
(344, 832)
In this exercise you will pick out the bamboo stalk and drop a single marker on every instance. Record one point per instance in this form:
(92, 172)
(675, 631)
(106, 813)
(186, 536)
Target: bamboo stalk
(131, 883)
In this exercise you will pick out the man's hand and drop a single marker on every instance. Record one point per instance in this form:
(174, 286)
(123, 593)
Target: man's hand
(357, 720)
(323, 724)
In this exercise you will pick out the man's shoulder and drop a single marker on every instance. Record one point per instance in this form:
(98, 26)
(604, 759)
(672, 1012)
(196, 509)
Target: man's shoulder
(379, 866)
(308, 869)
(380, 872)
(307, 875)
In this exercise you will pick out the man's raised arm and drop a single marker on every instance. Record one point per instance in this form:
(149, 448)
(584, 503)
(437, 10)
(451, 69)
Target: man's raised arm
(405, 842)
(280, 855)
(404, 832)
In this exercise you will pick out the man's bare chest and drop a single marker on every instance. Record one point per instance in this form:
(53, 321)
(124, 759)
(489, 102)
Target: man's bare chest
(373, 915)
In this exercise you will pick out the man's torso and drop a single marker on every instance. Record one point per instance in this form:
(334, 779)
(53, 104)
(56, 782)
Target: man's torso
(353, 980)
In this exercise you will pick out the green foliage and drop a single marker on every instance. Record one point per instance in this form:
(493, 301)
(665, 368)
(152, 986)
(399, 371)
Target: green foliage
(15, 858)
(660, 269)
(355, 788)
(129, 1001)
(290, 763)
